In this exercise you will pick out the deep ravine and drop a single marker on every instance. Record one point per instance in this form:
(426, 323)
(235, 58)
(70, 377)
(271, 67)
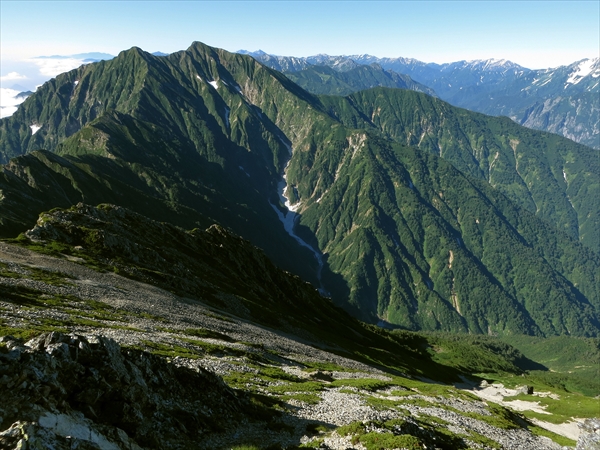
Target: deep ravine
(289, 217)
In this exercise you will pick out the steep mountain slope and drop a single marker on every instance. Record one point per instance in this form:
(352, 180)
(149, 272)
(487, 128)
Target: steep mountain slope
(422, 245)
(553, 178)
(563, 100)
(155, 130)
(203, 136)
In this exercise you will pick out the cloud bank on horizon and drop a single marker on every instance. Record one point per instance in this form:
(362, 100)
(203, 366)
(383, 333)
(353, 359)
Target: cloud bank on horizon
(29, 73)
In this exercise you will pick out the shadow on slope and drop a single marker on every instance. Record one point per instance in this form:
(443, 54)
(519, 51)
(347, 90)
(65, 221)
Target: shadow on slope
(227, 272)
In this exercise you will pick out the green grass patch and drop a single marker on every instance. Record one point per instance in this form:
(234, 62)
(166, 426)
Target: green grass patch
(354, 428)
(382, 403)
(49, 277)
(316, 428)
(382, 441)
(427, 388)
(154, 317)
(168, 350)
(316, 443)
(218, 317)
(58, 249)
(7, 273)
(405, 432)
(303, 386)
(482, 440)
(500, 417)
(574, 361)
(326, 366)
(29, 331)
(403, 393)
(276, 373)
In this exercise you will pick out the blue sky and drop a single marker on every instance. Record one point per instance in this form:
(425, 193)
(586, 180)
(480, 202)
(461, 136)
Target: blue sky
(536, 34)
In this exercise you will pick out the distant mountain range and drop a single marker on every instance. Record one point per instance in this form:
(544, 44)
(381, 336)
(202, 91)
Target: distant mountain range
(563, 100)
(403, 208)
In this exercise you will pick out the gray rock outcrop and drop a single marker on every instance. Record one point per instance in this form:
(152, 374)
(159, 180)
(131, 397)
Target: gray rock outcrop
(589, 438)
(60, 391)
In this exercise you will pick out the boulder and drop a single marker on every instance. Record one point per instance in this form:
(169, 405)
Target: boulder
(589, 436)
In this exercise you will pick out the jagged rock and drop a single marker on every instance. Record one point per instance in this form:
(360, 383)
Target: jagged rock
(69, 391)
(527, 390)
(589, 437)
(321, 375)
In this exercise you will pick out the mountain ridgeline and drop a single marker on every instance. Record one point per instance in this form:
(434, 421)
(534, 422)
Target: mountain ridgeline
(425, 216)
(562, 100)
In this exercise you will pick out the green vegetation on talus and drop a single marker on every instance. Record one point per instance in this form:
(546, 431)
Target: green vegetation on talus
(227, 272)
(202, 136)
(230, 276)
(553, 177)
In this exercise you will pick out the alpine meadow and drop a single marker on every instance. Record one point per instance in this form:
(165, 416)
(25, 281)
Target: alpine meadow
(209, 249)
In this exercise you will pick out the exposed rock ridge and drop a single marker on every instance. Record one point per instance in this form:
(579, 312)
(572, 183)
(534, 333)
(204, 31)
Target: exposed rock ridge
(60, 391)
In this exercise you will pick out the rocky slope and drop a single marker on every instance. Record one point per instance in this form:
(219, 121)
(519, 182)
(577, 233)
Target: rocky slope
(125, 364)
(63, 391)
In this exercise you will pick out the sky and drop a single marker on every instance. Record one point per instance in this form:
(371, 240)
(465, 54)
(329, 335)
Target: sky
(535, 34)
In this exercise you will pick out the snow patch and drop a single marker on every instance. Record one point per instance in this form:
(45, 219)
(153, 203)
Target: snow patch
(76, 82)
(227, 111)
(289, 147)
(214, 84)
(34, 128)
(200, 78)
(289, 217)
(584, 68)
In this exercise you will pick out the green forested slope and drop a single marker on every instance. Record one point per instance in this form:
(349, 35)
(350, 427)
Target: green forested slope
(170, 139)
(553, 177)
(422, 245)
(203, 136)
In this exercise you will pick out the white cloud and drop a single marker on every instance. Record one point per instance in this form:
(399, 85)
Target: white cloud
(12, 76)
(53, 66)
(9, 101)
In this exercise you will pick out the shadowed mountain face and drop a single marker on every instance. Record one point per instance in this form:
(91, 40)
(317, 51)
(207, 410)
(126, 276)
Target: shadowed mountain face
(458, 234)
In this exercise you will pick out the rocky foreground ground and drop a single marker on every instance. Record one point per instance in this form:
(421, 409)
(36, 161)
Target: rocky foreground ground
(125, 365)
